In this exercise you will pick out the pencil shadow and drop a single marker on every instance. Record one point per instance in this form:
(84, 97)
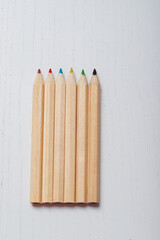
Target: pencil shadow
(68, 205)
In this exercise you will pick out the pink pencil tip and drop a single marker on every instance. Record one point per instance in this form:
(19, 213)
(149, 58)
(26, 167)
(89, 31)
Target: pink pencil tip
(50, 70)
(39, 71)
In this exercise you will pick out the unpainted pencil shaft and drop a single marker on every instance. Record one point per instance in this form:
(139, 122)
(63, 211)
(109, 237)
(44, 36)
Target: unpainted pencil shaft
(81, 153)
(49, 99)
(93, 140)
(70, 139)
(37, 140)
(58, 193)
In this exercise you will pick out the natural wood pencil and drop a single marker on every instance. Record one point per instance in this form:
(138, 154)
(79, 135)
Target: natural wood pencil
(93, 139)
(37, 139)
(58, 188)
(81, 153)
(70, 139)
(49, 99)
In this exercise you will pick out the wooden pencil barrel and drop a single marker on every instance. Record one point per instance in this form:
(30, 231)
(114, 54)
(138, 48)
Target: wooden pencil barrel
(48, 142)
(37, 140)
(93, 140)
(70, 139)
(81, 153)
(58, 194)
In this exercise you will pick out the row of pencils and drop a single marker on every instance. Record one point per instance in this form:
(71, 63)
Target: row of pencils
(65, 139)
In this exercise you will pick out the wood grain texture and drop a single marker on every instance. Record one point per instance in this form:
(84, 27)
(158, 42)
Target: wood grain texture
(59, 139)
(48, 140)
(37, 140)
(121, 40)
(70, 140)
(81, 144)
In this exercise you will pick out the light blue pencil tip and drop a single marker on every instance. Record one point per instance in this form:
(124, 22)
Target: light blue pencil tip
(60, 71)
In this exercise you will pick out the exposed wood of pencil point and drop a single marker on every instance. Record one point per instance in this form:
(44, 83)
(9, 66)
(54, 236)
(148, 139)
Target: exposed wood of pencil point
(37, 139)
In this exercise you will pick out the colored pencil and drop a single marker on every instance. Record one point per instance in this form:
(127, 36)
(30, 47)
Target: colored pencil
(58, 194)
(37, 139)
(81, 153)
(93, 139)
(70, 139)
(49, 99)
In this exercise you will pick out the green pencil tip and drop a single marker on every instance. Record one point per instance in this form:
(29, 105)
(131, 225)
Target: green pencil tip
(83, 73)
(71, 70)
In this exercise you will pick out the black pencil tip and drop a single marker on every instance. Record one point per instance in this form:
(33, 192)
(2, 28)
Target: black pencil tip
(94, 72)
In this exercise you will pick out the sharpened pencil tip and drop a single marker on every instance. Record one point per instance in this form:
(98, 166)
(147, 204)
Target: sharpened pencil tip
(71, 70)
(39, 71)
(60, 71)
(94, 72)
(83, 73)
(50, 70)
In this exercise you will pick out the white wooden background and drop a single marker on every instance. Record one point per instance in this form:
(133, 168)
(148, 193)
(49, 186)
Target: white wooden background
(121, 39)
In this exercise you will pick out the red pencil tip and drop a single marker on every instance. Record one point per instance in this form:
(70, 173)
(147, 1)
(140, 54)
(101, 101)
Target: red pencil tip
(50, 70)
(39, 71)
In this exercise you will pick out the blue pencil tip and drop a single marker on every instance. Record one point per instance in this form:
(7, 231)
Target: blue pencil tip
(60, 70)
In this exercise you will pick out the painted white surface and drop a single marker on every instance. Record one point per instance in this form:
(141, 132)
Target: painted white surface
(121, 38)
